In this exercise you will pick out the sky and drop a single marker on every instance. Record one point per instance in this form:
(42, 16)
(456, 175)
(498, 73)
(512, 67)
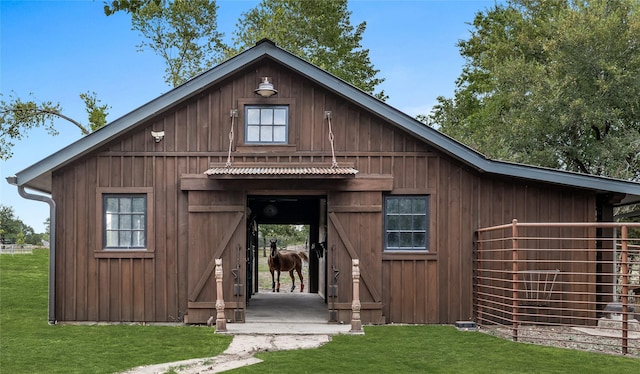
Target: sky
(55, 50)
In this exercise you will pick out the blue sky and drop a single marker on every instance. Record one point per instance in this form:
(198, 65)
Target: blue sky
(59, 49)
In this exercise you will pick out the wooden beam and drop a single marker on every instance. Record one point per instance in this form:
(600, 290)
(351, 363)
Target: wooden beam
(215, 208)
(200, 182)
(356, 208)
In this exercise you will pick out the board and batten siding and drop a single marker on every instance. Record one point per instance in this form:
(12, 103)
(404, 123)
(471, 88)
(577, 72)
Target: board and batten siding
(159, 285)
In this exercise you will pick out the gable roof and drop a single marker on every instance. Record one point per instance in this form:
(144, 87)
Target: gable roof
(38, 176)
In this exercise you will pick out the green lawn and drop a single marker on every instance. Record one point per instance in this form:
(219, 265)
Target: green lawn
(436, 349)
(29, 345)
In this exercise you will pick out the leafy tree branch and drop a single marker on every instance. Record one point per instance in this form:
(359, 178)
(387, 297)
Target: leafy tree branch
(18, 116)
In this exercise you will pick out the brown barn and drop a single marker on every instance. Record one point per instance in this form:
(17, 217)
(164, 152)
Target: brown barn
(142, 207)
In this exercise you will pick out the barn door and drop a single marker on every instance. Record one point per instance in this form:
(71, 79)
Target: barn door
(216, 230)
(354, 232)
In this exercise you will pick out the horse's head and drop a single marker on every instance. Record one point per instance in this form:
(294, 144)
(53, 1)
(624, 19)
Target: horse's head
(274, 247)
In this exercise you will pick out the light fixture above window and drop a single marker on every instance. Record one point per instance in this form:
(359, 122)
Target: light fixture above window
(265, 88)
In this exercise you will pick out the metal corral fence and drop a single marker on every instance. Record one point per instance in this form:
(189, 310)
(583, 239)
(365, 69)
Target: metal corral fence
(574, 285)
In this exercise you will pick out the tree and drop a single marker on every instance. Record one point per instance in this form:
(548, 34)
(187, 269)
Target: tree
(319, 31)
(15, 231)
(551, 83)
(129, 6)
(286, 234)
(183, 33)
(17, 117)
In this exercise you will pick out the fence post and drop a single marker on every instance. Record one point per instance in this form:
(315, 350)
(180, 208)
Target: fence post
(514, 278)
(221, 322)
(356, 323)
(624, 269)
(477, 285)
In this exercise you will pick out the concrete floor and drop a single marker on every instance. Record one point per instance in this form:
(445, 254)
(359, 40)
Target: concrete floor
(287, 313)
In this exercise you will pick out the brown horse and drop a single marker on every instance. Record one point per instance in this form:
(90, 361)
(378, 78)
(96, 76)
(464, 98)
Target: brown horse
(285, 262)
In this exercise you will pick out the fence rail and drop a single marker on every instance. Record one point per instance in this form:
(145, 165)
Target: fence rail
(17, 248)
(572, 283)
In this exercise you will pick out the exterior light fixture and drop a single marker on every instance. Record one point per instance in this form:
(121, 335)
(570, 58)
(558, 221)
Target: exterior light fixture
(265, 88)
(157, 135)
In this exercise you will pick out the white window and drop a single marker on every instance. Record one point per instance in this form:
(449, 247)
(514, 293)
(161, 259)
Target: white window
(266, 124)
(125, 221)
(406, 223)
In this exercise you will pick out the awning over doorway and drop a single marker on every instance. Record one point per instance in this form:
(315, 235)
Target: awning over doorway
(298, 172)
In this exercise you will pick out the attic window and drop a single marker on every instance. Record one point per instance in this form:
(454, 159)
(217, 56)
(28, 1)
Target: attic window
(266, 124)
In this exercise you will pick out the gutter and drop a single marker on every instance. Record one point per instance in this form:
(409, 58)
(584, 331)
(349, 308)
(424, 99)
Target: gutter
(52, 242)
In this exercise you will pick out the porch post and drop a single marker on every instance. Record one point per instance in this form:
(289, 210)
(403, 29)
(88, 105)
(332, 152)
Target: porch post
(356, 323)
(221, 322)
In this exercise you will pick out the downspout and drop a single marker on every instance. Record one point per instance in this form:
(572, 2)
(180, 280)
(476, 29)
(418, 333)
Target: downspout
(52, 242)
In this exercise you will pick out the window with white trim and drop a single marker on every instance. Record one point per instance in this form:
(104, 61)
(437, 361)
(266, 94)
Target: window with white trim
(125, 221)
(406, 223)
(266, 124)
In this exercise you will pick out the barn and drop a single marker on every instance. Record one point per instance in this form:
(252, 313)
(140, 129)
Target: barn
(142, 208)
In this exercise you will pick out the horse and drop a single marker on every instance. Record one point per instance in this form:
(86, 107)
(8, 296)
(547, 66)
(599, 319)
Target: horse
(289, 261)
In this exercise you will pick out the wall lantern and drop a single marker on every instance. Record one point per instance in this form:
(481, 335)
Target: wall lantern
(265, 88)
(157, 135)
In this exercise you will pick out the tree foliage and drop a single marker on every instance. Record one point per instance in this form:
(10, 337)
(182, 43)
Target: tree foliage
(319, 31)
(13, 230)
(286, 234)
(183, 33)
(552, 83)
(128, 6)
(18, 116)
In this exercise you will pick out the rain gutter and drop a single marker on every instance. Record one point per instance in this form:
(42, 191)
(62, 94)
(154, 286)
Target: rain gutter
(52, 242)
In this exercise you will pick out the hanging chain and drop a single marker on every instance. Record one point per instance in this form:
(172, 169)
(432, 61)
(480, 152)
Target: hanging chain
(334, 163)
(234, 114)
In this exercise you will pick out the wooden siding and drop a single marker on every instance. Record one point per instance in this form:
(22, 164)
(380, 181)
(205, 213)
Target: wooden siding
(191, 214)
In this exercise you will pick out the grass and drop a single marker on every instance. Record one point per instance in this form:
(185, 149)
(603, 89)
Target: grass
(29, 345)
(435, 349)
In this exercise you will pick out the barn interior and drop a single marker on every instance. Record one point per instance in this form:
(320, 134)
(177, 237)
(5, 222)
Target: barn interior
(263, 305)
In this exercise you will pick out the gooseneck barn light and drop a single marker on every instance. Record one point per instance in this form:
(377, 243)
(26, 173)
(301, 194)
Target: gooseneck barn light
(265, 88)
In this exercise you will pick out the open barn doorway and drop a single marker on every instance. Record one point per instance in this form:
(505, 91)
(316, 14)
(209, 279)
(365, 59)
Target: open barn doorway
(299, 224)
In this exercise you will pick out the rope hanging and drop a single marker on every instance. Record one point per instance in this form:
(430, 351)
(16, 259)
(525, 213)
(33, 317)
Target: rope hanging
(334, 163)
(234, 114)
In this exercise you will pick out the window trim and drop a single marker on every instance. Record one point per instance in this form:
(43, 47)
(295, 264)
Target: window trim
(428, 229)
(101, 251)
(240, 142)
(260, 125)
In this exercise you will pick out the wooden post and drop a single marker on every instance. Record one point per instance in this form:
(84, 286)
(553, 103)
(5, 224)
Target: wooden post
(356, 323)
(221, 322)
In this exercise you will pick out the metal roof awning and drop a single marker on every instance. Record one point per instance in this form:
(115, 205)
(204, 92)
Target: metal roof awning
(280, 172)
